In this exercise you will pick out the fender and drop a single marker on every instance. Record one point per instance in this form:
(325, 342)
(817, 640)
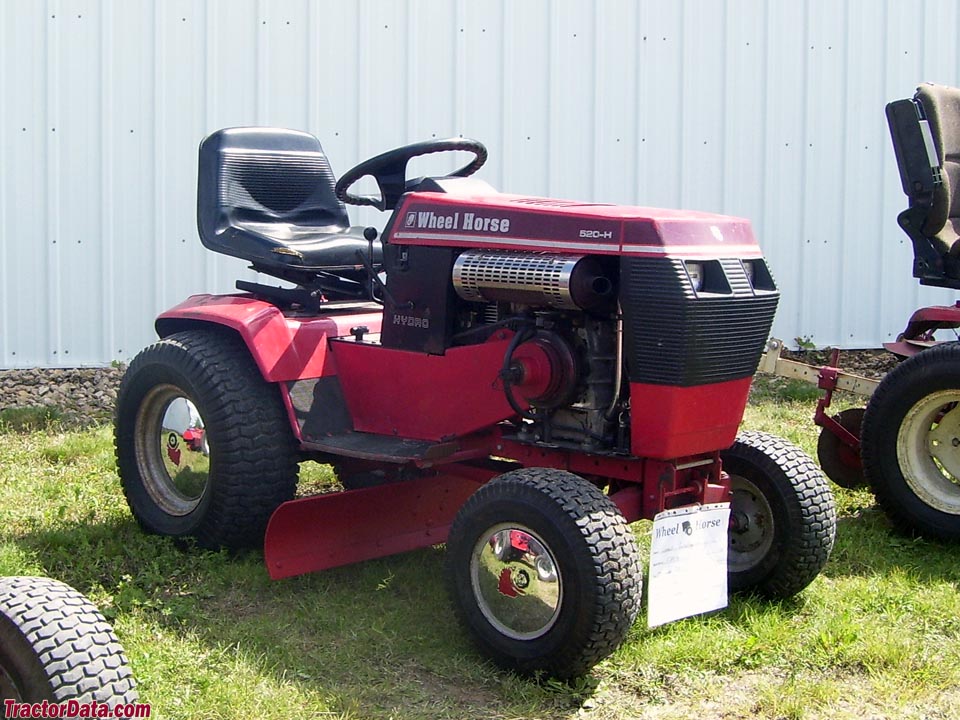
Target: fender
(285, 348)
(918, 335)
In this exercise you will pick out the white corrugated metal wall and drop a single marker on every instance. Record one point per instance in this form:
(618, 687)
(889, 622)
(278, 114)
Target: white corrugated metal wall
(770, 110)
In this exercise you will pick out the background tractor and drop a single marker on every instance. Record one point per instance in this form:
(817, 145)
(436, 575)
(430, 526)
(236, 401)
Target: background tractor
(906, 443)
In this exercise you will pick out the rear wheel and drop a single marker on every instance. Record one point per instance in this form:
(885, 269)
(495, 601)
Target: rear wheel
(911, 443)
(55, 645)
(203, 444)
(782, 516)
(544, 572)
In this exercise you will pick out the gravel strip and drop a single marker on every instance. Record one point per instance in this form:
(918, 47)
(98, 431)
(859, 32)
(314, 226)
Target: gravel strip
(83, 396)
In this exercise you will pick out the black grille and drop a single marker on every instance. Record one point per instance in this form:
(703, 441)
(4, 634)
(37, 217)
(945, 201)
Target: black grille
(676, 336)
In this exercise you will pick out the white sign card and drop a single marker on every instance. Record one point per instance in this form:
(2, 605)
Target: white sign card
(688, 563)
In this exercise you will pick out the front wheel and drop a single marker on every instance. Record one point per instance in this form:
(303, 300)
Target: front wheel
(782, 516)
(911, 443)
(203, 444)
(544, 572)
(55, 645)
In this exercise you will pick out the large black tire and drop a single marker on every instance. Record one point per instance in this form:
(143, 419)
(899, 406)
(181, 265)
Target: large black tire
(911, 443)
(544, 572)
(222, 484)
(55, 645)
(782, 516)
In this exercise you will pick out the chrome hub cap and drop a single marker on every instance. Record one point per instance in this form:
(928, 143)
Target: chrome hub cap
(173, 452)
(516, 581)
(928, 449)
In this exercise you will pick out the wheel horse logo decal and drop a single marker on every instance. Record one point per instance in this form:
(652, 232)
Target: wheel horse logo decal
(411, 219)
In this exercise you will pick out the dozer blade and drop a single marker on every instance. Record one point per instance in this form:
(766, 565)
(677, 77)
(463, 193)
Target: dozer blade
(334, 529)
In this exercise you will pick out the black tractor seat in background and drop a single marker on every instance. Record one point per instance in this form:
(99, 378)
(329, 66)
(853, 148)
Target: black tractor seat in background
(926, 140)
(266, 195)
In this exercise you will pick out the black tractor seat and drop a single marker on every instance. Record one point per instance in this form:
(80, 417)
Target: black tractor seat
(926, 140)
(266, 195)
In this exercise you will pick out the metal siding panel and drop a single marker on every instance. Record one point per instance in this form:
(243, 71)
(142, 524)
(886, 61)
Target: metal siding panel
(526, 98)
(614, 144)
(480, 76)
(232, 31)
(895, 290)
(75, 132)
(571, 72)
(383, 82)
(610, 102)
(129, 198)
(180, 106)
(283, 30)
(233, 80)
(822, 193)
(939, 49)
(704, 85)
(785, 103)
(381, 87)
(744, 117)
(432, 79)
(26, 300)
(661, 146)
(5, 132)
(334, 97)
(866, 145)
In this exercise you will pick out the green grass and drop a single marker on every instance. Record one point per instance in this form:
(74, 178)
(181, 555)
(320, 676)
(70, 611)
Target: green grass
(29, 418)
(210, 636)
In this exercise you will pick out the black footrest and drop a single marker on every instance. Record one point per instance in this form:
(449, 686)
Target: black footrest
(380, 447)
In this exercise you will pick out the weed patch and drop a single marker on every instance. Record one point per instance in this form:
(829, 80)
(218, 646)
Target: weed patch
(29, 419)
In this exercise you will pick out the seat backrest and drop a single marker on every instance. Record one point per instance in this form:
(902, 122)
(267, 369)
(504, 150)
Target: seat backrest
(940, 106)
(264, 175)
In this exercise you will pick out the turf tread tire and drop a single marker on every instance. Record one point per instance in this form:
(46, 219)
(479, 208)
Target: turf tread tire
(59, 645)
(937, 368)
(254, 457)
(805, 514)
(602, 547)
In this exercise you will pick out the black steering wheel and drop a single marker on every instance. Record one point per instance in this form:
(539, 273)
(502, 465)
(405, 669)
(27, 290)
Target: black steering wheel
(389, 169)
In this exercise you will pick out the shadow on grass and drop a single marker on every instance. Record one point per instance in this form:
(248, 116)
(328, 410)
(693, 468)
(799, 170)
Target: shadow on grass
(376, 639)
(868, 545)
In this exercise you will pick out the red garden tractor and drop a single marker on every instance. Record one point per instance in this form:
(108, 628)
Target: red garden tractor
(906, 444)
(519, 377)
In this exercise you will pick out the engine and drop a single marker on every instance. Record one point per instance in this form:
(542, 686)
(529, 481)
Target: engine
(626, 346)
(566, 350)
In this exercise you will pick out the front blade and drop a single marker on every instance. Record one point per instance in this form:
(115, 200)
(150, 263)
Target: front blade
(325, 531)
